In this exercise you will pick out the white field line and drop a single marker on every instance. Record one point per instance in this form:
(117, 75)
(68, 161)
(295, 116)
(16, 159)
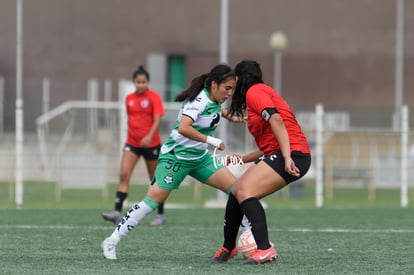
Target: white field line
(299, 230)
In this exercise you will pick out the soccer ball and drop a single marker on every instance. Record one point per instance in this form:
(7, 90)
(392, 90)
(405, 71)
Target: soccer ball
(246, 243)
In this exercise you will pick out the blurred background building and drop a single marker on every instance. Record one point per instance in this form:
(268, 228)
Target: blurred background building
(339, 53)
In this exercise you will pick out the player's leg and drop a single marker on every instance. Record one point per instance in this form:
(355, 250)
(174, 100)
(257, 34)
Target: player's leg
(217, 176)
(133, 216)
(169, 174)
(160, 218)
(232, 219)
(260, 180)
(257, 182)
(155, 196)
(128, 161)
(151, 160)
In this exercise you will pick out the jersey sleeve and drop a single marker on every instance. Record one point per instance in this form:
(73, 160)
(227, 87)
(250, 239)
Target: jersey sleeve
(258, 101)
(193, 109)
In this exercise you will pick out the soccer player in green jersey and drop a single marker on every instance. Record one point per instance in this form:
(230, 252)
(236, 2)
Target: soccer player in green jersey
(186, 150)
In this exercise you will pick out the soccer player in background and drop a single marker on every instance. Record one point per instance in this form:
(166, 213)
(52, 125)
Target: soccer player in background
(144, 110)
(186, 150)
(283, 157)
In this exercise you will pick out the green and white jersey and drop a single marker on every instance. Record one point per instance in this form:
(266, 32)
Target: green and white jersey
(206, 116)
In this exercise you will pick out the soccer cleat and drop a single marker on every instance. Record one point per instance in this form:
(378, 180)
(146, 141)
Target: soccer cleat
(223, 255)
(109, 249)
(159, 220)
(113, 216)
(262, 256)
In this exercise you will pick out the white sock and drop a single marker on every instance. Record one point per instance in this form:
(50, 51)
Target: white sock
(132, 217)
(245, 224)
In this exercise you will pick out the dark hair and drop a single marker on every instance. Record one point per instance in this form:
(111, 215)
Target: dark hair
(218, 74)
(248, 73)
(139, 71)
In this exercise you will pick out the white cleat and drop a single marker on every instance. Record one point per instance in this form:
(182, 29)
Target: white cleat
(109, 249)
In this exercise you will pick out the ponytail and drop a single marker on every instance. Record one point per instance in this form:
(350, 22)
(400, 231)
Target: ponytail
(220, 73)
(140, 71)
(197, 84)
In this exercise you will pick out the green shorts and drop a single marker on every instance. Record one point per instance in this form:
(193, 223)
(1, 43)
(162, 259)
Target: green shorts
(171, 171)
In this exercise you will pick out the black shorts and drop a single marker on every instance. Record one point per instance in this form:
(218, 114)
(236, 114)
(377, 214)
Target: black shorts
(149, 153)
(277, 162)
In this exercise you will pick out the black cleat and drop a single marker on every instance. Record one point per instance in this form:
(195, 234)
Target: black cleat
(223, 255)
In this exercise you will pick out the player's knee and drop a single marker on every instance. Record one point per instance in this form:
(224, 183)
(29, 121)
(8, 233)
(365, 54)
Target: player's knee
(241, 194)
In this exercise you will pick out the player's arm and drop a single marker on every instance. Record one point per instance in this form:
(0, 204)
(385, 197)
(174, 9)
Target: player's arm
(186, 129)
(154, 128)
(226, 115)
(281, 134)
(155, 125)
(252, 156)
(157, 114)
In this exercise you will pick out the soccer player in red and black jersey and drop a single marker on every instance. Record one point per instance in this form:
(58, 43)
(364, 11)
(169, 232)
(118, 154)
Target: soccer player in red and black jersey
(144, 109)
(283, 157)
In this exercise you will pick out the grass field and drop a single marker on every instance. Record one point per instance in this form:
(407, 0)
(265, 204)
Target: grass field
(41, 194)
(309, 241)
(351, 237)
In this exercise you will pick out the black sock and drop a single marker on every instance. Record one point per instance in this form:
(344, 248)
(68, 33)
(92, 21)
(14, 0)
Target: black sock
(119, 200)
(232, 219)
(161, 209)
(254, 211)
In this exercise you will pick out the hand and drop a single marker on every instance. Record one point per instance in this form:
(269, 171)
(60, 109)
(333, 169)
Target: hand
(290, 167)
(221, 147)
(237, 119)
(146, 141)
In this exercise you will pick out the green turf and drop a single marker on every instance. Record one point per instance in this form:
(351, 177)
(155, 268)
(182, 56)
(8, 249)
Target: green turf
(331, 240)
(41, 194)
(350, 235)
